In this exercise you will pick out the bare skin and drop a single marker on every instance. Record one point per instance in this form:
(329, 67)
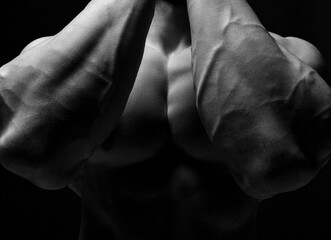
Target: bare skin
(70, 91)
(265, 110)
(155, 173)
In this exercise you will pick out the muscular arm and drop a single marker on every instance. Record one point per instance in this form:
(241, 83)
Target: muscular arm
(62, 96)
(266, 111)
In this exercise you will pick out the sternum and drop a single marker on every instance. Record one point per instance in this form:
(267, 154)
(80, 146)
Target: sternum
(186, 129)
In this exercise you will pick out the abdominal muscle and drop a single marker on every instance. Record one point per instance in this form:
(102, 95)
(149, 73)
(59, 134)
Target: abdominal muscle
(157, 175)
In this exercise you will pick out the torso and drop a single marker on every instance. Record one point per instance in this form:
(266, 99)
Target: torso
(157, 176)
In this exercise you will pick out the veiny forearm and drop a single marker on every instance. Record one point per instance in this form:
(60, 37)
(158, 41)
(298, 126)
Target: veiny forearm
(229, 47)
(249, 96)
(225, 32)
(61, 98)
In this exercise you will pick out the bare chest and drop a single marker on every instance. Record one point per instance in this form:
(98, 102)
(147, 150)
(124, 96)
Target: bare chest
(160, 111)
(157, 176)
(186, 127)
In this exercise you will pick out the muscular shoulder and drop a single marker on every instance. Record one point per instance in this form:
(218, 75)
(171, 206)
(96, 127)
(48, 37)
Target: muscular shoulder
(302, 49)
(307, 52)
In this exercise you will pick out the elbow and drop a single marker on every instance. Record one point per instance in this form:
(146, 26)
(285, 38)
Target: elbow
(48, 174)
(266, 183)
(265, 188)
(50, 182)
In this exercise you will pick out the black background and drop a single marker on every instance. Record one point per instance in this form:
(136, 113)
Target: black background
(39, 214)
